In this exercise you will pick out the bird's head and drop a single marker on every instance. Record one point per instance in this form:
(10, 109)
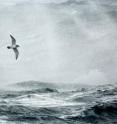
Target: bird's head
(17, 46)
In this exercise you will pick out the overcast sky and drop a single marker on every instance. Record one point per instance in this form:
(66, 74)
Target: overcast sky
(58, 43)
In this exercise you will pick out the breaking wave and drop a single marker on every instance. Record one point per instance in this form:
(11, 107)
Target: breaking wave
(94, 105)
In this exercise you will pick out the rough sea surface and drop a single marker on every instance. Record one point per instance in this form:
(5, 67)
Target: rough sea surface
(42, 103)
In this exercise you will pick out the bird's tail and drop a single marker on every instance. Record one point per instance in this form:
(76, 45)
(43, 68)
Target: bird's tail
(8, 47)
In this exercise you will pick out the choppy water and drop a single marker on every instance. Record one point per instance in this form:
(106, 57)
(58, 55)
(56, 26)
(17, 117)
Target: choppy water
(47, 105)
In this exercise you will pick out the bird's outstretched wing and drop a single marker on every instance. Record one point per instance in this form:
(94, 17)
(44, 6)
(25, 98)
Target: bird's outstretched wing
(16, 52)
(13, 40)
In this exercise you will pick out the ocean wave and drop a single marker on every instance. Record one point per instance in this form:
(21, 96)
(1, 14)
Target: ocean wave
(97, 105)
(28, 114)
(95, 93)
(100, 113)
(101, 106)
(13, 94)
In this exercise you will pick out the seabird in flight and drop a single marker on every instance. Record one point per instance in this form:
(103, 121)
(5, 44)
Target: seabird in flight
(14, 47)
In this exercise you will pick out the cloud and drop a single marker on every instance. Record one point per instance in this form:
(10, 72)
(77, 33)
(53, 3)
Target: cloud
(92, 77)
(58, 45)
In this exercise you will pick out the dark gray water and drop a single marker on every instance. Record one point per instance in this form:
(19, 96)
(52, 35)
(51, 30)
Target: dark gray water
(45, 104)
